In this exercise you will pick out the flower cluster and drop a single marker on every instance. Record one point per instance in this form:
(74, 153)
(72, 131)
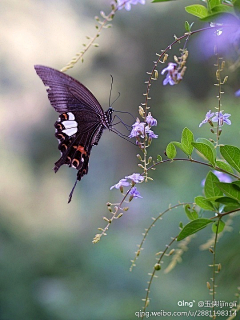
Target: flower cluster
(127, 3)
(173, 74)
(216, 117)
(139, 128)
(135, 178)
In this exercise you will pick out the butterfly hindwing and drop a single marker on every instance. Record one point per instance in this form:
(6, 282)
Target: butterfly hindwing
(76, 141)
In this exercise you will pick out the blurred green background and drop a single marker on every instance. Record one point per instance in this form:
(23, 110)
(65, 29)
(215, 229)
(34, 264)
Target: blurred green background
(49, 268)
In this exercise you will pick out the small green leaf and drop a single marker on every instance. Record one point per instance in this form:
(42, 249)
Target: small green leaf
(193, 227)
(232, 155)
(224, 165)
(204, 203)
(191, 213)
(171, 151)
(218, 226)
(229, 189)
(197, 10)
(211, 189)
(187, 26)
(206, 151)
(186, 141)
(159, 158)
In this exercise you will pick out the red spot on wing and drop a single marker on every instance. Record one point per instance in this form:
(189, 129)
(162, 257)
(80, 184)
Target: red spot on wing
(81, 149)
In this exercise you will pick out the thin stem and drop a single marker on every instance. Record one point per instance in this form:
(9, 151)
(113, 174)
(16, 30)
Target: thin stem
(214, 272)
(219, 84)
(98, 236)
(194, 161)
(153, 275)
(160, 56)
(103, 24)
(149, 228)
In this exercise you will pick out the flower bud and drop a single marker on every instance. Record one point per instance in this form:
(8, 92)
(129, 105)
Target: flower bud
(157, 267)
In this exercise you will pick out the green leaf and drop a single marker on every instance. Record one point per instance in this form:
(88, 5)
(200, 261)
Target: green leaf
(204, 203)
(193, 227)
(224, 165)
(222, 8)
(215, 15)
(171, 151)
(232, 155)
(179, 145)
(218, 226)
(213, 3)
(229, 189)
(197, 10)
(210, 188)
(229, 202)
(159, 158)
(236, 183)
(206, 151)
(191, 213)
(186, 141)
(207, 142)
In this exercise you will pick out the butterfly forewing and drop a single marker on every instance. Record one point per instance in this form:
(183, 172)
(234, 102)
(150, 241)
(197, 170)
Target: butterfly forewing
(66, 93)
(81, 121)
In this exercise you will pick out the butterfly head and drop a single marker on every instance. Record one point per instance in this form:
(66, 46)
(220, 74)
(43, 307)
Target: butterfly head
(109, 116)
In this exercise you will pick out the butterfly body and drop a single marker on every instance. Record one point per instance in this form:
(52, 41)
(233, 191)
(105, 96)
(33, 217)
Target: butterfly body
(81, 121)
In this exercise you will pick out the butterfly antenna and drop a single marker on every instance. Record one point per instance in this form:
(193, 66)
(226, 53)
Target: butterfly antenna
(110, 95)
(71, 193)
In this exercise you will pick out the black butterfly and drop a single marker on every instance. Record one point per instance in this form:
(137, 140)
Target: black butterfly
(81, 121)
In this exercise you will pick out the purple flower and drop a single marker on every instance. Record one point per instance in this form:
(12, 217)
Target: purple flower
(135, 177)
(127, 3)
(150, 133)
(134, 193)
(122, 183)
(237, 93)
(208, 116)
(137, 129)
(170, 68)
(222, 118)
(222, 177)
(173, 76)
(150, 120)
